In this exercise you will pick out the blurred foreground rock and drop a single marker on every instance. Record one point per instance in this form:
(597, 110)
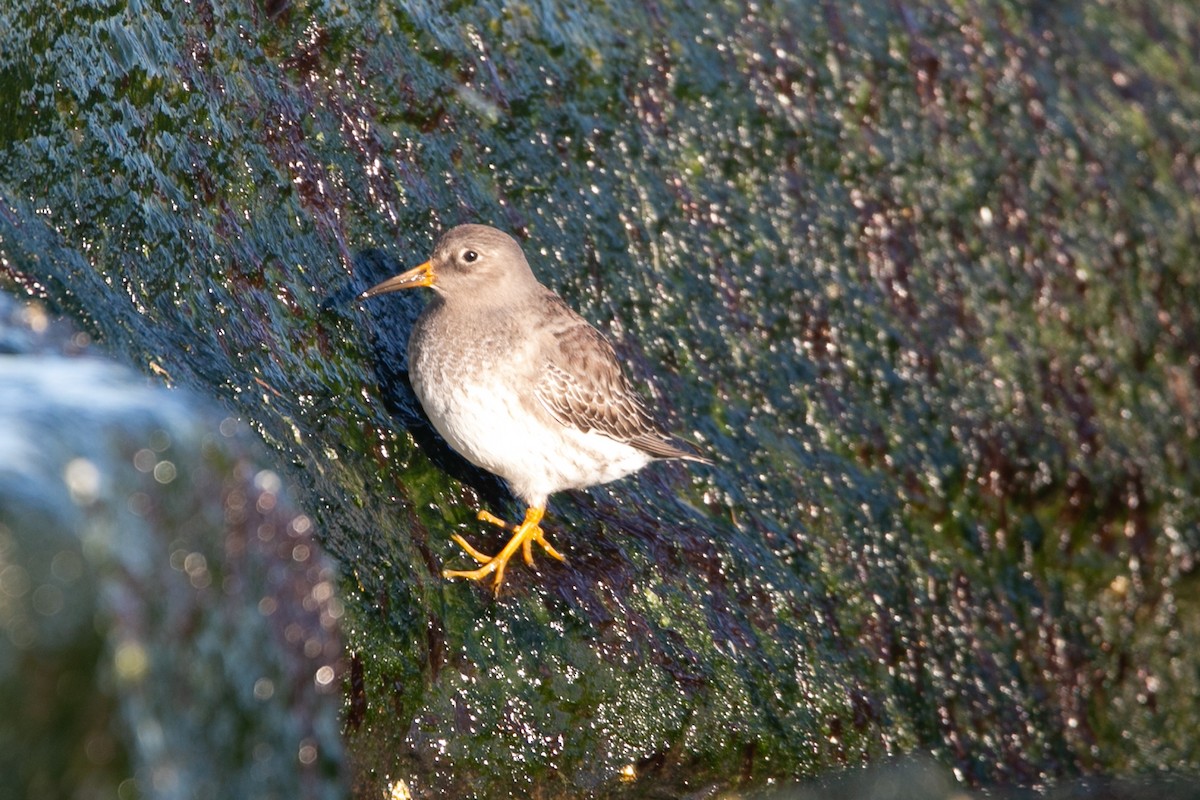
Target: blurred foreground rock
(168, 626)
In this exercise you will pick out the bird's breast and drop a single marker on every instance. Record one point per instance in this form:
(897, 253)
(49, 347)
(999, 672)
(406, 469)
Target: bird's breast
(471, 383)
(478, 391)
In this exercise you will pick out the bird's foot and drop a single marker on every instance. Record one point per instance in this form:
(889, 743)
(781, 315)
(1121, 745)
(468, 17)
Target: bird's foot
(492, 519)
(524, 536)
(526, 546)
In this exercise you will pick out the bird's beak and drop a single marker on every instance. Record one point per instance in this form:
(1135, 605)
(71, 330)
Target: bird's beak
(417, 276)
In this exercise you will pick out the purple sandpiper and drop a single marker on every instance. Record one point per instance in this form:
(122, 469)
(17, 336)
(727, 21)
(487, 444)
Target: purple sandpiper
(520, 385)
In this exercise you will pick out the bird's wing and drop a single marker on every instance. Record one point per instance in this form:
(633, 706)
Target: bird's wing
(582, 385)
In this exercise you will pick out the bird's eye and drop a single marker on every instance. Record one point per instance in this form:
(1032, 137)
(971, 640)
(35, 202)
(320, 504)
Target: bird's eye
(470, 256)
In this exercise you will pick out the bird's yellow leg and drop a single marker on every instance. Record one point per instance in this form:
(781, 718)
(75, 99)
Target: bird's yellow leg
(524, 535)
(540, 538)
(471, 551)
(526, 547)
(487, 516)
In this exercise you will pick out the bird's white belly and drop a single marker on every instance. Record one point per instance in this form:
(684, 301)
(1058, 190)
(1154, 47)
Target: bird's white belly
(491, 428)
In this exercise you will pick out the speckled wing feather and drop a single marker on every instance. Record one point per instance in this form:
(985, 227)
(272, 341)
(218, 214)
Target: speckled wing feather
(582, 386)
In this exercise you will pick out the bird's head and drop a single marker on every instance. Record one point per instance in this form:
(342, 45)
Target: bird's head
(475, 260)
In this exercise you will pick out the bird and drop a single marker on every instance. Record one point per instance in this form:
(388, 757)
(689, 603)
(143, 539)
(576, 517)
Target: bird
(520, 385)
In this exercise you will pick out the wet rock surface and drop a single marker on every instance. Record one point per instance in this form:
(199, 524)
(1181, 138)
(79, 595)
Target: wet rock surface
(919, 277)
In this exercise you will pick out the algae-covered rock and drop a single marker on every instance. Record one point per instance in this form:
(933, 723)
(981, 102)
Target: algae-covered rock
(919, 276)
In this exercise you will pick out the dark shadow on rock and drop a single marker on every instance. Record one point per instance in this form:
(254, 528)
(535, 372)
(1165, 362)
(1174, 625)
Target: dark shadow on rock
(388, 322)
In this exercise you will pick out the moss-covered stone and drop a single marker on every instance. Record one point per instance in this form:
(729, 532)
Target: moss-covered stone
(920, 276)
